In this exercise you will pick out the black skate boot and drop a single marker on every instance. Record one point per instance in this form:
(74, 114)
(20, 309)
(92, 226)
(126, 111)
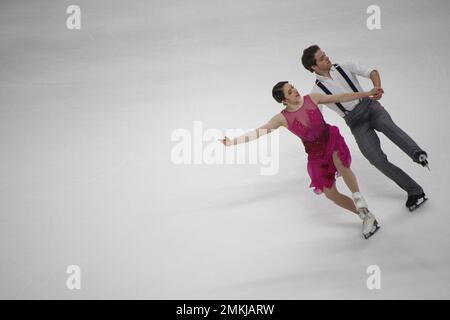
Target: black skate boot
(415, 201)
(421, 158)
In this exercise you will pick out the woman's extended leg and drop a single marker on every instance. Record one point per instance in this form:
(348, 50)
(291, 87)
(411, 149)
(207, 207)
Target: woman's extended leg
(346, 173)
(349, 179)
(340, 199)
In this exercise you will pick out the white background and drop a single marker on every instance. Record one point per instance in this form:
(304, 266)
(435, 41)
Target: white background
(86, 176)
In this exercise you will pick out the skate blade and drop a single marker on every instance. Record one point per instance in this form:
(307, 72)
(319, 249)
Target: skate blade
(367, 236)
(414, 207)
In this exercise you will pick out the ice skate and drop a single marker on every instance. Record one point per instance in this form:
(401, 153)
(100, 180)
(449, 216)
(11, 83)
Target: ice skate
(422, 159)
(415, 201)
(370, 224)
(360, 202)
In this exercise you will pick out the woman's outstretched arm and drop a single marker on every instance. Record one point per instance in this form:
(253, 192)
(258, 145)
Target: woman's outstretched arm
(319, 98)
(271, 125)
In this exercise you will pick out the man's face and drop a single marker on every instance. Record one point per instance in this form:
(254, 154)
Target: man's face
(323, 63)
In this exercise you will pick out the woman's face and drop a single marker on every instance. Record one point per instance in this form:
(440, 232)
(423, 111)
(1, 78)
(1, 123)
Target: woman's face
(291, 94)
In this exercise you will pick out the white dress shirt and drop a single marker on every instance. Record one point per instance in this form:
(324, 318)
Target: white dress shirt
(337, 84)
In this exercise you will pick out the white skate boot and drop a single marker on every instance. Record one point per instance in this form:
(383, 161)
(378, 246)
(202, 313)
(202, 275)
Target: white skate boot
(370, 224)
(360, 202)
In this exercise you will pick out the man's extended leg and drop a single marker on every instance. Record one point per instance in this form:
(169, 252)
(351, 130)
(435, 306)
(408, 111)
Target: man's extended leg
(381, 121)
(369, 144)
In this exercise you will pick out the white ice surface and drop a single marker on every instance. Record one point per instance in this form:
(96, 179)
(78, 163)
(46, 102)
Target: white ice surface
(86, 176)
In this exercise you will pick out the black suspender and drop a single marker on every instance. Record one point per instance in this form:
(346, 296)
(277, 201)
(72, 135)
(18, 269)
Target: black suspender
(325, 89)
(346, 78)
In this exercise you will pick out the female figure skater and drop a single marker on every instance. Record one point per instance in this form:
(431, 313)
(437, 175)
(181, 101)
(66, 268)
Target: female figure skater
(328, 154)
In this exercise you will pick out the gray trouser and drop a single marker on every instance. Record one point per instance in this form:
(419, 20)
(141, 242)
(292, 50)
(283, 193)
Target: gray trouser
(369, 115)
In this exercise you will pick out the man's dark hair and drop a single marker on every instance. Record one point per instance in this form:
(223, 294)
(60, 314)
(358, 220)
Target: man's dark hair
(308, 59)
(277, 91)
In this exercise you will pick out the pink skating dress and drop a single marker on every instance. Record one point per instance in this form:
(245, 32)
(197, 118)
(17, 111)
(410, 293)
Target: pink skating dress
(320, 140)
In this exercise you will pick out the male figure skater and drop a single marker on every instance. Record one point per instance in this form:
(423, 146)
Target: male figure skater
(365, 116)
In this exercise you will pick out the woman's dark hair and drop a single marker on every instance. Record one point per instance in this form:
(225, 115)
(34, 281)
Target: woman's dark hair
(277, 91)
(308, 59)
